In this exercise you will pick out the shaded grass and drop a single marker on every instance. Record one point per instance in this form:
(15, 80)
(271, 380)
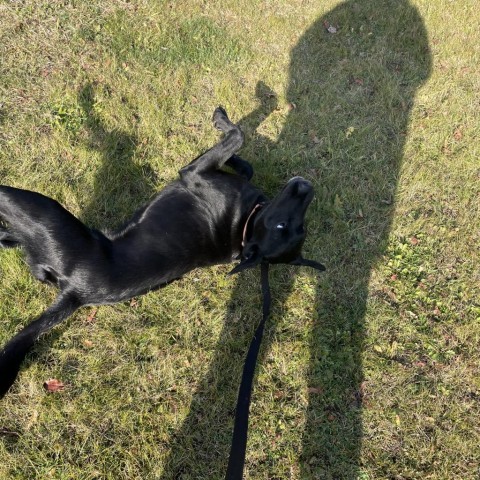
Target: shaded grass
(371, 370)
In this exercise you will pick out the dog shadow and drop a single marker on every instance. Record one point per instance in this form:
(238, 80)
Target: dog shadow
(122, 180)
(353, 78)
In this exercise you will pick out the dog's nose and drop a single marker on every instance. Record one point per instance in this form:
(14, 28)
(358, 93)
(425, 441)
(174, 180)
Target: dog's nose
(301, 185)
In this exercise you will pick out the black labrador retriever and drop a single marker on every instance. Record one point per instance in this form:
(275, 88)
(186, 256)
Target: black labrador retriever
(206, 217)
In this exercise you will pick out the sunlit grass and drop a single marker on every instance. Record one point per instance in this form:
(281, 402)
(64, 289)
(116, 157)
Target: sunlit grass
(370, 370)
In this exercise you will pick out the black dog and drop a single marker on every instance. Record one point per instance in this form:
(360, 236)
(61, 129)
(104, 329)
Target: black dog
(206, 217)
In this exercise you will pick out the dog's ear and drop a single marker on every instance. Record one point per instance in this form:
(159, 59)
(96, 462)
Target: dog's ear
(251, 261)
(308, 263)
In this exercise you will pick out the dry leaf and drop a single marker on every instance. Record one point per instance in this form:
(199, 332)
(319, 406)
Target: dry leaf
(390, 294)
(330, 28)
(313, 136)
(87, 343)
(315, 390)
(53, 385)
(91, 318)
(134, 303)
(414, 241)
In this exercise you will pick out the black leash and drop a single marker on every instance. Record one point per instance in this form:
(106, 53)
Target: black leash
(240, 430)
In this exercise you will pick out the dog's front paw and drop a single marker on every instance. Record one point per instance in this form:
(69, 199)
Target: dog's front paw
(220, 120)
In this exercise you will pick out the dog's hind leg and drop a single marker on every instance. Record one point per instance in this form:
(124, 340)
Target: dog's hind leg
(15, 351)
(49, 234)
(241, 166)
(218, 155)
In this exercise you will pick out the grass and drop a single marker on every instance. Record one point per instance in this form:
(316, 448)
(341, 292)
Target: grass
(369, 371)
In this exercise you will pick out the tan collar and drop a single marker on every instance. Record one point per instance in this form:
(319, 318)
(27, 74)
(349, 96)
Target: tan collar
(255, 209)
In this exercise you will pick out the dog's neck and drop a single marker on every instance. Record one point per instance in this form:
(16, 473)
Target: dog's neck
(247, 228)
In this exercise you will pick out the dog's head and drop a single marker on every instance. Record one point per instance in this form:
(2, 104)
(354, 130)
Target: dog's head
(277, 233)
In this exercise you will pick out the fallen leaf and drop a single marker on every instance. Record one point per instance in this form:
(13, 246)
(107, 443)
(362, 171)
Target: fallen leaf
(349, 131)
(53, 385)
(291, 106)
(313, 136)
(91, 318)
(330, 28)
(134, 303)
(315, 390)
(390, 294)
(87, 343)
(363, 387)
(414, 241)
(394, 277)
(446, 149)
(457, 134)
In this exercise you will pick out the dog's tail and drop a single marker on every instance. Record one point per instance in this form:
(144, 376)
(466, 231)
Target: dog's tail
(15, 351)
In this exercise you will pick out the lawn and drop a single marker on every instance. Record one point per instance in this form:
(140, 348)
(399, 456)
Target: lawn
(367, 371)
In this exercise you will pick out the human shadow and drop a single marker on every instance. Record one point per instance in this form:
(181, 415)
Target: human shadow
(354, 86)
(351, 90)
(121, 181)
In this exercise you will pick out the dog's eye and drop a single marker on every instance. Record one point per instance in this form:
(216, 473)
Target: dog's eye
(281, 226)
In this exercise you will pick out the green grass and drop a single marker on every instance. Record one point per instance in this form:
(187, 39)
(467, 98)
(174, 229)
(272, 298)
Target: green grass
(369, 371)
